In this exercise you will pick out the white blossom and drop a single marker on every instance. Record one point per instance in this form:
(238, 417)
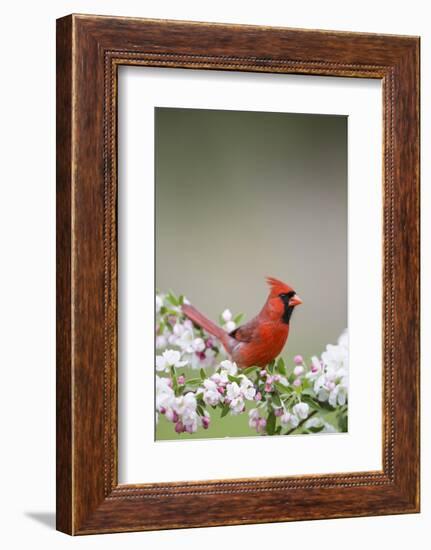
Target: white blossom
(159, 303)
(297, 371)
(229, 366)
(198, 344)
(211, 395)
(235, 398)
(301, 410)
(226, 315)
(229, 326)
(289, 420)
(165, 396)
(247, 389)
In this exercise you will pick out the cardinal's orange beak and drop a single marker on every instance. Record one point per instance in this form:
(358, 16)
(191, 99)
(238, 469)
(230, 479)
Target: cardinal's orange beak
(295, 301)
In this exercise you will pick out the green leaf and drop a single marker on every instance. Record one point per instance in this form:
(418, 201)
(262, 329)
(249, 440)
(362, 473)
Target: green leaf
(200, 410)
(315, 429)
(174, 381)
(224, 411)
(172, 298)
(194, 382)
(270, 424)
(234, 379)
(238, 318)
(281, 367)
(308, 391)
(181, 300)
(325, 405)
(271, 367)
(276, 400)
(200, 399)
(310, 401)
(203, 374)
(306, 384)
(249, 370)
(343, 422)
(282, 388)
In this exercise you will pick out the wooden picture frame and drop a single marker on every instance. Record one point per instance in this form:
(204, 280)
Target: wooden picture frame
(89, 52)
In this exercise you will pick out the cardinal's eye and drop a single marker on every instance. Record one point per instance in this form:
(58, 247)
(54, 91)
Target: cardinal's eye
(285, 295)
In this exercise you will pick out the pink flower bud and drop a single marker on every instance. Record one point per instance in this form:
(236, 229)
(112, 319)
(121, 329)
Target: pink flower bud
(221, 389)
(297, 382)
(262, 423)
(330, 385)
(278, 412)
(258, 396)
(205, 422)
(189, 428)
(276, 378)
(209, 343)
(175, 417)
(314, 369)
(263, 374)
(181, 379)
(162, 410)
(170, 382)
(268, 388)
(298, 360)
(201, 355)
(179, 427)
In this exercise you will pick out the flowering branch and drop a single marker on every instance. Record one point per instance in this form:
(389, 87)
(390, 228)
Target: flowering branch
(280, 400)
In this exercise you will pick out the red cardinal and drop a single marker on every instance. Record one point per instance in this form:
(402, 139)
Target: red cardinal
(261, 340)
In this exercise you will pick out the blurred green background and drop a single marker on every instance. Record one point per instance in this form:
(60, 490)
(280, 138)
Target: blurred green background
(241, 195)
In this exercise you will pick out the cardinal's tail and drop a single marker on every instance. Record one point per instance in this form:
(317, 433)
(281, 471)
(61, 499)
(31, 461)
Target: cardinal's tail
(199, 319)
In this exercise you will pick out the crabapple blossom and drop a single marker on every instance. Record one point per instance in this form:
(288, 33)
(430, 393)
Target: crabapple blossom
(256, 421)
(159, 303)
(226, 315)
(169, 358)
(211, 395)
(234, 398)
(297, 371)
(165, 395)
(247, 389)
(229, 366)
(161, 341)
(230, 326)
(301, 410)
(289, 420)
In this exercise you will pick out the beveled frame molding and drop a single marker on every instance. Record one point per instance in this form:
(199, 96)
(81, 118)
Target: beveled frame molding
(89, 51)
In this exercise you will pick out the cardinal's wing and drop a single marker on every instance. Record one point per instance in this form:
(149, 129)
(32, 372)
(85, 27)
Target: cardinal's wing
(245, 332)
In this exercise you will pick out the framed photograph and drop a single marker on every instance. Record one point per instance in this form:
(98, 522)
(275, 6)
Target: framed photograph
(237, 274)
